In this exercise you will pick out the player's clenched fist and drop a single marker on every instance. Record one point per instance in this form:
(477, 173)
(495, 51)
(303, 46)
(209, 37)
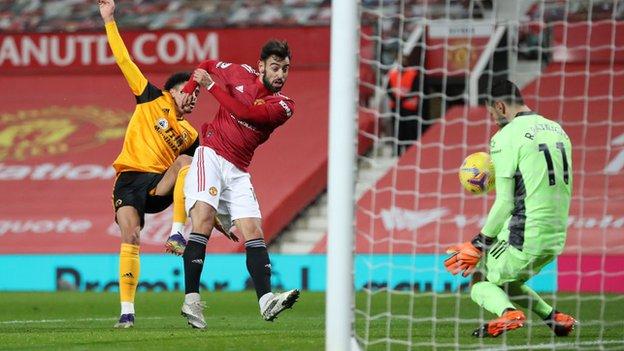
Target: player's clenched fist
(202, 78)
(465, 257)
(107, 9)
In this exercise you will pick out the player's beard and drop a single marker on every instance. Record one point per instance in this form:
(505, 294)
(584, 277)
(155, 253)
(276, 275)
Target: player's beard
(501, 120)
(270, 86)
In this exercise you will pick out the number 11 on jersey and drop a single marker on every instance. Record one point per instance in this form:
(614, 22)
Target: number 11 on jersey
(549, 163)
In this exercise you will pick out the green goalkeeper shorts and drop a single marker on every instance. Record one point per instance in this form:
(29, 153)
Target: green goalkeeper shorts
(504, 263)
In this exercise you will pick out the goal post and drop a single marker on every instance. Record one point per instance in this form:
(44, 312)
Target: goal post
(341, 174)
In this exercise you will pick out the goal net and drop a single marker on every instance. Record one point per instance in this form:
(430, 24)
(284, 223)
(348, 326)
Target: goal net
(425, 72)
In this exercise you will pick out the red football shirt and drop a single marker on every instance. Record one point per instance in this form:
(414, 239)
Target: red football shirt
(247, 115)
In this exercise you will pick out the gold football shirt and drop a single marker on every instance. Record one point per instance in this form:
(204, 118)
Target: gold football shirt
(155, 136)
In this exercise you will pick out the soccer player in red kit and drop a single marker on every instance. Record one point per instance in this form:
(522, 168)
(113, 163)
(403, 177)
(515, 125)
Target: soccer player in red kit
(251, 108)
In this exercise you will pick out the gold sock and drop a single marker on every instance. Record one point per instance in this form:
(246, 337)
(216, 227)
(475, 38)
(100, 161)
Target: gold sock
(179, 213)
(129, 268)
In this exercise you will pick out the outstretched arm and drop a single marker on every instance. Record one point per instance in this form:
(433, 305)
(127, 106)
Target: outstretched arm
(136, 80)
(273, 113)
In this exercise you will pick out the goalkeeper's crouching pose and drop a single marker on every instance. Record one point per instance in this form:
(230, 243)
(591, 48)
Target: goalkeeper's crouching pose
(526, 227)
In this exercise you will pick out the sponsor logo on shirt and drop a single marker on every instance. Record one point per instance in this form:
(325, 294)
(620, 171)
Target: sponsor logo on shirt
(492, 148)
(239, 88)
(286, 108)
(244, 124)
(175, 140)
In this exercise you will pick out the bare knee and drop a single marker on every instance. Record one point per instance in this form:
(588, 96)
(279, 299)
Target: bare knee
(251, 228)
(256, 233)
(202, 218)
(131, 235)
(129, 225)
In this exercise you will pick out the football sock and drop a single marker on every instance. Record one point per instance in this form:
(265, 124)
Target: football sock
(127, 307)
(179, 212)
(193, 256)
(491, 297)
(129, 269)
(527, 298)
(259, 266)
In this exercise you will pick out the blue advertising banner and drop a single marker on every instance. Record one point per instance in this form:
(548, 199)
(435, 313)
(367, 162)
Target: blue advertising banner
(99, 272)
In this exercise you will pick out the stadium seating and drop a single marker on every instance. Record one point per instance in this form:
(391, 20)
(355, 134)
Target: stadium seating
(417, 206)
(81, 15)
(79, 104)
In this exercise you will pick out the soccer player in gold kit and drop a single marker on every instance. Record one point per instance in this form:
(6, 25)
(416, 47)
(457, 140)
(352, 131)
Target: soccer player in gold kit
(156, 153)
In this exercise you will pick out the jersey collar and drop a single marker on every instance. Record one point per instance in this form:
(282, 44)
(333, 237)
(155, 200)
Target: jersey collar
(170, 100)
(168, 97)
(524, 113)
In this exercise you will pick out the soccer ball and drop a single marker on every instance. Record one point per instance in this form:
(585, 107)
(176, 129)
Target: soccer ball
(476, 174)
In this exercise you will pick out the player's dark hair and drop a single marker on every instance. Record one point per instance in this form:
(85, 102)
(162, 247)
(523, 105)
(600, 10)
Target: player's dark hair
(507, 91)
(177, 78)
(275, 47)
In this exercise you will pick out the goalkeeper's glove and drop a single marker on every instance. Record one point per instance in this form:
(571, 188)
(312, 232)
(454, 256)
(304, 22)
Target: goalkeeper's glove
(465, 257)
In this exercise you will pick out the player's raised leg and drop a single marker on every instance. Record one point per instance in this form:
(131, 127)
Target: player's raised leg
(129, 263)
(259, 268)
(176, 242)
(561, 323)
(495, 300)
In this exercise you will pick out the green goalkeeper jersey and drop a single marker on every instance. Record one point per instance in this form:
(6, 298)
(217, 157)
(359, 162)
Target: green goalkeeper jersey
(537, 154)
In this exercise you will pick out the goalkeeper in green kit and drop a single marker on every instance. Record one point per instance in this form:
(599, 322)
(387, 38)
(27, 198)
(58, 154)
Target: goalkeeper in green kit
(526, 226)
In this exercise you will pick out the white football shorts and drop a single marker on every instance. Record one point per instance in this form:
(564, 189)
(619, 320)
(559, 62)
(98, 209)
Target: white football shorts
(217, 182)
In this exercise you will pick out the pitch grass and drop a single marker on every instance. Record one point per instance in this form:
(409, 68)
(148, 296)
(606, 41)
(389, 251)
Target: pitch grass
(83, 321)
